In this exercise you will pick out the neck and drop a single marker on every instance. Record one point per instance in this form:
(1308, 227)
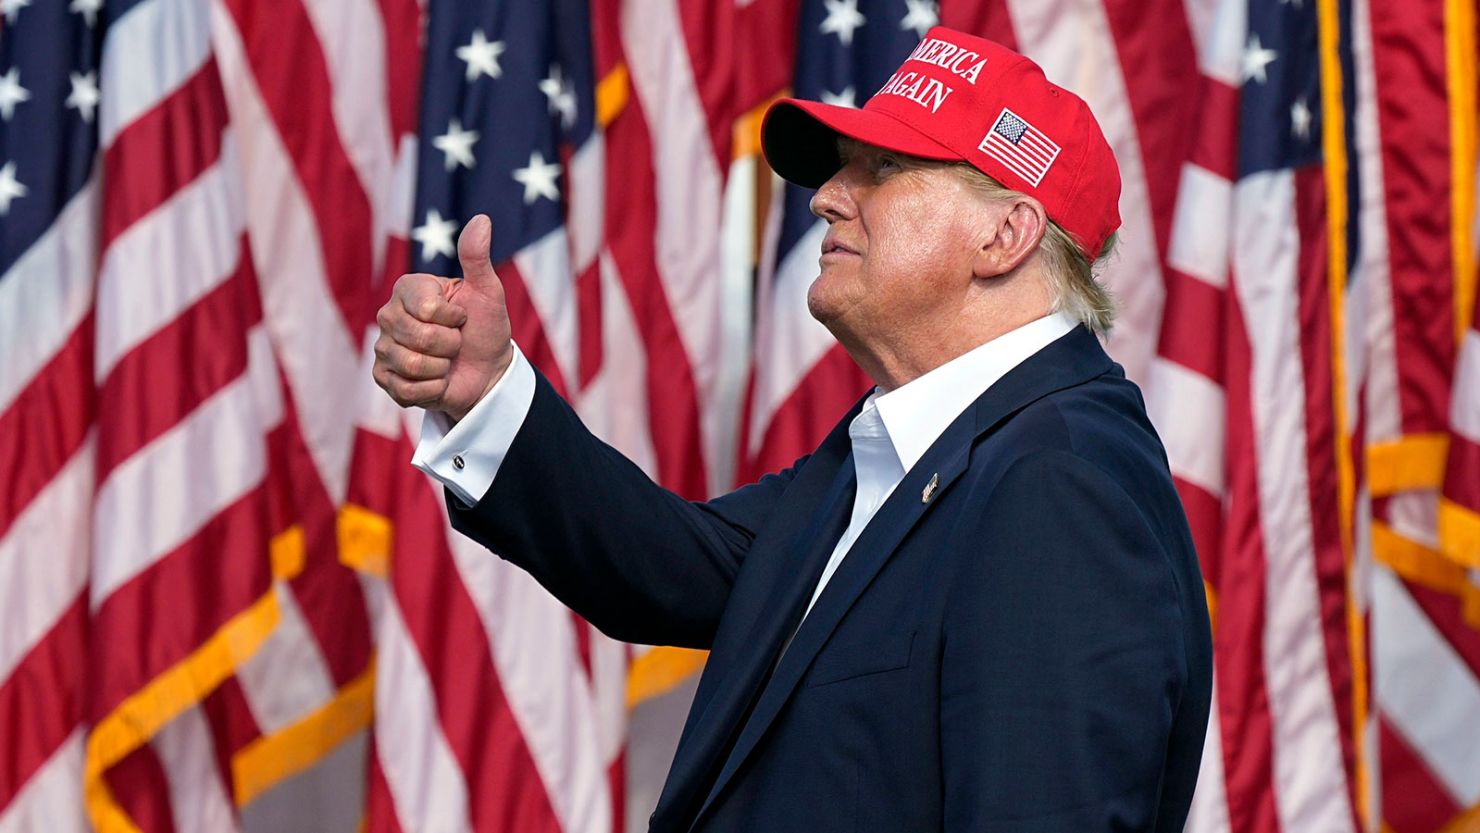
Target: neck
(895, 359)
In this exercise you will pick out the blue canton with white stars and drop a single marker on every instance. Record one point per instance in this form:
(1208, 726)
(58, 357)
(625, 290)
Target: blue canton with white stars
(1280, 92)
(49, 54)
(508, 95)
(846, 50)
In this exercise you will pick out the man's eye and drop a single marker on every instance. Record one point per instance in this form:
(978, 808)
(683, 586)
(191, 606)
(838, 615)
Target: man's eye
(887, 164)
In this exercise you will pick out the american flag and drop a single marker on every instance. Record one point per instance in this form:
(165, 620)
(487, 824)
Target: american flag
(1021, 147)
(216, 563)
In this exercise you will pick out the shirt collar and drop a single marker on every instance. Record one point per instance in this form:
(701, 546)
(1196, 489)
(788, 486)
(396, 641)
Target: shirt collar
(917, 413)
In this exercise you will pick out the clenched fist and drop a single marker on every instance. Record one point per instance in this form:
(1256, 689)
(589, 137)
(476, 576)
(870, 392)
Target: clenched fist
(445, 342)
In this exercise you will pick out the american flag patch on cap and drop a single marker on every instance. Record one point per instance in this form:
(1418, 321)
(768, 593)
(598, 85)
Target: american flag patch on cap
(1020, 146)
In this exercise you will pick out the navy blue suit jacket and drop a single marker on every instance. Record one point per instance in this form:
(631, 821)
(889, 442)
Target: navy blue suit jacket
(1023, 648)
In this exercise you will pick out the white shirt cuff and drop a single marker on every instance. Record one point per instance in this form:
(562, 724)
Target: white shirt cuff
(465, 457)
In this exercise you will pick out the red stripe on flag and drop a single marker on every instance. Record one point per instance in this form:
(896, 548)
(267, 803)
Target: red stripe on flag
(141, 788)
(1192, 327)
(768, 30)
(380, 807)
(504, 788)
(163, 151)
(529, 329)
(1413, 127)
(989, 18)
(41, 700)
(293, 78)
(1238, 642)
(1205, 518)
(328, 593)
(1461, 480)
(1155, 48)
(709, 32)
(815, 405)
(160, 616)
(1446, 613)
(590, 337)
(46, 423)
(402, 20)
(631, 216)
(1323, 484)
(1215, 144)
(232, 727)
(1413, 801)
(152, 388)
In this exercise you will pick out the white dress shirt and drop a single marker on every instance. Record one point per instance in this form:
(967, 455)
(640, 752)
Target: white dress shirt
(890, 434)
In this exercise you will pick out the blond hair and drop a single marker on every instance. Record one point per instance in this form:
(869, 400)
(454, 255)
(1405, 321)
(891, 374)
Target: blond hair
(1071, 274)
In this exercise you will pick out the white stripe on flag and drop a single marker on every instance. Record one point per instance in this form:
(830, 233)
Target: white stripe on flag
(1074, 44)
(1424, 688)
(1187, 409)
(187, 247)
(287, 677)
(1209, 810)
(1200, 223)
(176, 38)
(149, 510)
(426, 782)
(319, 357)
(689, 196)
(198, 795)
(545, 265)
(615, 405)
(789, 341)
(532, 636)
(1307, 738)
(52, 799)
(47, 292)
(351, 34)
(1371, 276)
(44, 558)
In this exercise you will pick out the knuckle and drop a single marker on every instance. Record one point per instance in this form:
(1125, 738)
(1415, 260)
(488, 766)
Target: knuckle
(427, 307)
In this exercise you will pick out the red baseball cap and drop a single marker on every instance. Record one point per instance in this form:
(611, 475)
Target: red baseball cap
(959, 97)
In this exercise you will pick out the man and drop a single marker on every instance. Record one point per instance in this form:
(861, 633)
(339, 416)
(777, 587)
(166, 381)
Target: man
(976, 605)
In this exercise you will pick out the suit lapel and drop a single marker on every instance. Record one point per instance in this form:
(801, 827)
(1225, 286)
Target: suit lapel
(1071, 360)
(819, 507)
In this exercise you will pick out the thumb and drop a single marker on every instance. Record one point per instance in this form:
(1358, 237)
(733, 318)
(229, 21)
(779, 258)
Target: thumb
(472, 252)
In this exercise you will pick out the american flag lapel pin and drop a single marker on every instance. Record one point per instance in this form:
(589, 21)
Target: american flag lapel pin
(930, 488)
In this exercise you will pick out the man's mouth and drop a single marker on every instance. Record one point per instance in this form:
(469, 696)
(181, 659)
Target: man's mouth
(832, 246)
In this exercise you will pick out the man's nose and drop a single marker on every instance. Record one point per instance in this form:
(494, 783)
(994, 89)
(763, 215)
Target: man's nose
(833, 202)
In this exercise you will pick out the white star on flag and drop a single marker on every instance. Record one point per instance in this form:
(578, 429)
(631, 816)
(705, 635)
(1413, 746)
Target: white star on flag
(11, 92)
(88, 9)
(11, 8)
(456, 145)
(1300, 118)
(842, 18)
(1256, 58)
(435, 235)
(562, 97)
(84, 96)
(538, 178)
(481, 56)
(10, 188)
(847, 98)
(921, 15)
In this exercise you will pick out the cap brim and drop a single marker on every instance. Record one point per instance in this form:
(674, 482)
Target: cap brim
(800, 138)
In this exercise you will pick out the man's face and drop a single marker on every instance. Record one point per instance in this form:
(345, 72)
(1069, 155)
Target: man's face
(897, 259)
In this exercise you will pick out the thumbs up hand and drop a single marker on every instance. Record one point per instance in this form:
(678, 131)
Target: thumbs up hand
(443, 342)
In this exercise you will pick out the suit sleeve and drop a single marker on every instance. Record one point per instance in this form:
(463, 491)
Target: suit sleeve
(636, 560)
(1062, 662)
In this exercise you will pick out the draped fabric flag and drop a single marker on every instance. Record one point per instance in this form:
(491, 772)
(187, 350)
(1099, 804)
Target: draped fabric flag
(189, 248)
(216, 563)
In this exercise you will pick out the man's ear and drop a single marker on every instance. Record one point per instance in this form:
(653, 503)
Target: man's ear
(1018, 226)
